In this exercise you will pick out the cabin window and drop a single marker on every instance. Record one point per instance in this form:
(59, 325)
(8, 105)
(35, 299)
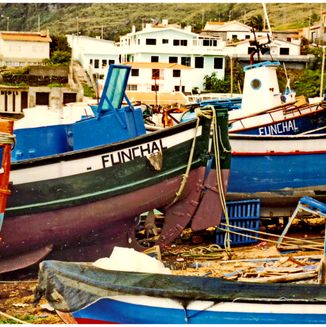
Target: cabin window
(176, 72)
(134, 72)
(199, 62)
(255, 84)
(173, 60)
(154, 58)
(218, 63)
(284, 51)
(151, 41)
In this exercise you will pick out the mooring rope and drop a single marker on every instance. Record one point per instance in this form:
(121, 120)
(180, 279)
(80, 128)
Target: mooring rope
(219, 180)
(7, 138)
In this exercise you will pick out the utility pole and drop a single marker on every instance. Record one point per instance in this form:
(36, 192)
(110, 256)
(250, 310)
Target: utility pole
(77, 25)
(38, 23)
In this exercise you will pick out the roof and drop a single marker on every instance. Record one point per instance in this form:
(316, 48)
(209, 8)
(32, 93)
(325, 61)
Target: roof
(25, 36)
(156, 65)
(161, 97)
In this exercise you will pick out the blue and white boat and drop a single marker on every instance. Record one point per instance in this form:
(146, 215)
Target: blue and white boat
(94, 295)
(264, 110)
(278, 169)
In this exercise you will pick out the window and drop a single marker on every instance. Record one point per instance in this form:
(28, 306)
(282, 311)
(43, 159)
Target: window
(132, 87)
(234, 37)
(218, 63)
(111, 62)
(165, 41)
(96, 63)
(247, 36)
(206, 43)
(176, 72)
(155, 88)
(90, 61)
(134, 72)
(173, 60)
(185, 61)
(151, 41)
(104, 63)
(199, 62)
(155, 73)
(180, 42)
(284, 51)
(154, 58)
(177, 88)
(288, 39)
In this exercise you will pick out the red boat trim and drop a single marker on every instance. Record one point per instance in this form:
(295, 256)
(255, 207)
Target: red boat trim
(276, 153)
(92, 321)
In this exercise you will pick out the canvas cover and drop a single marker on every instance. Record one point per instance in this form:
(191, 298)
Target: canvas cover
(70, 286)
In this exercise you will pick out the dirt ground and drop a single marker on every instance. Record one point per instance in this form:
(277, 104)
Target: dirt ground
(16, 300)
(17, 291)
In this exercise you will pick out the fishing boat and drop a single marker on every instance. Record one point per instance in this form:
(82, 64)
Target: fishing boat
(95, 295)
(264, 110)
(7, 140)
(83, 195)
(278, 169)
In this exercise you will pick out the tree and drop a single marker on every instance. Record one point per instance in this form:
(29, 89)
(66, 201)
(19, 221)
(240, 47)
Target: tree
(256, 22)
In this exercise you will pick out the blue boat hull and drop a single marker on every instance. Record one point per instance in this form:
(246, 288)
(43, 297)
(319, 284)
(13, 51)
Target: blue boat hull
(268, 173)
(108, 310)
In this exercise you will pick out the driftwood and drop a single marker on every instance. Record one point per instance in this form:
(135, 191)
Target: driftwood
(280, 279)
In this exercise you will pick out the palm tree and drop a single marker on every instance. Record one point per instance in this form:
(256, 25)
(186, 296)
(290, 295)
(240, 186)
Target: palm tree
(256, 22)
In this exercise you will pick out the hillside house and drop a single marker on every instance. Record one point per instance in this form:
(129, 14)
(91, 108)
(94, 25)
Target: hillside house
(316, 33)
(24, 48)
(159, 83)
(170, 44)
(94, 54)
(280, 50)
(230, 31)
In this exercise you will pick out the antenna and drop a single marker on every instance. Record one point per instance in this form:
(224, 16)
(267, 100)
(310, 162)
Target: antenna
(267, 20)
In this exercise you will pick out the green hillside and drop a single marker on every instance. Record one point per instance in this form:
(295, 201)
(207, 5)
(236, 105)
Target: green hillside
(114, 19)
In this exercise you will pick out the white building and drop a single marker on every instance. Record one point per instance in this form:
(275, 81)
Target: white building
(24, 48)
(166, 43)
(230, 31)
(159, 83)
(94, 54)
(316, 33)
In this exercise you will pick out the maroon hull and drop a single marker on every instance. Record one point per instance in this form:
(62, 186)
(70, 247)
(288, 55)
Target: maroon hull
(113, 218)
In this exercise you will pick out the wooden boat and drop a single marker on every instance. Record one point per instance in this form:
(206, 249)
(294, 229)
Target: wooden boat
(263, 110)
(94, 295)
(278, 170)
(7, 140)
(78, 204)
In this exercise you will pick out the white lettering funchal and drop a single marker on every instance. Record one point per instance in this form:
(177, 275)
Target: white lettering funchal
(126, 155)
(279, 128)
